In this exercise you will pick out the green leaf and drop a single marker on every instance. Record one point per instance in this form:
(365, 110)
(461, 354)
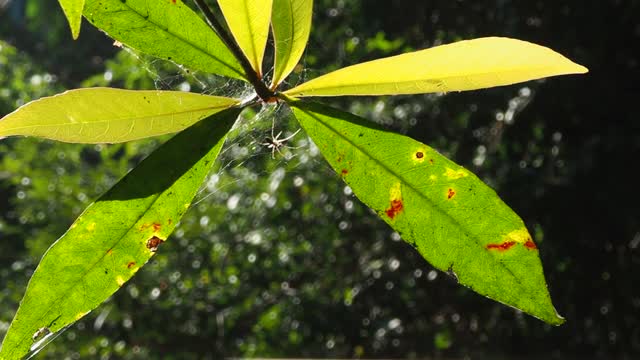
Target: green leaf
(73, 11)
(464, 65)
(291, 23)
(167, 29)
(105, 115)
(249, 21)
(115, 236)
(453, 219)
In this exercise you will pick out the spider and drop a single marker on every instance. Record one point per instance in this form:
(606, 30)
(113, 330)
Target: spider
(275, 143)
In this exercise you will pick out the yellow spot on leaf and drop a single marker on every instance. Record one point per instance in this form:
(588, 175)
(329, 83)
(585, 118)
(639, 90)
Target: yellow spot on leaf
(120, 280)
(520, 236)
(81, 315)
(91, 226)
(455, 174)
(395, 193)
(433, 177)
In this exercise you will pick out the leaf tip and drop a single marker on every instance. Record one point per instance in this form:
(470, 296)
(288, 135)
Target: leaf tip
(571, 67)
(581, 69)
(559, 320)
(554, 318)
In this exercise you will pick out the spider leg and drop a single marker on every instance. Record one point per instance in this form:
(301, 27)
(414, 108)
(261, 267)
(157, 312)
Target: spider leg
(277, 148)
(273, 125)
(290, 136)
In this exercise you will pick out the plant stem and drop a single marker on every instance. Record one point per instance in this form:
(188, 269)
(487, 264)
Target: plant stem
(261, 89)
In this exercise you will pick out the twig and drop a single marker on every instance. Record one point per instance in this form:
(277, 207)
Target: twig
(261, 89)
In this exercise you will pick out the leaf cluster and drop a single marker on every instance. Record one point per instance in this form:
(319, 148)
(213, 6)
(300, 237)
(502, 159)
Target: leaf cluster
(454, 220)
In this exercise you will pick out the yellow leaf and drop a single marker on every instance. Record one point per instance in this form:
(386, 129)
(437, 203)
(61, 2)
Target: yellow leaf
(464, 65)
(291, 22)
(249, 21)
(106, 115)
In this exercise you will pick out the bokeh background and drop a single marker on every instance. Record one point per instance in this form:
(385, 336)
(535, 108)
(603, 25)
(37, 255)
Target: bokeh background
(278, 259)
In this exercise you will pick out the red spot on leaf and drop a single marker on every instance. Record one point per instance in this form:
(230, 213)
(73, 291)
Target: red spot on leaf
(131, 264)
(156, 226)
(396, 207)
(450, 194)
(344, 172)
(153, 243)
(501, 247)
(530, 245)
(173, 1)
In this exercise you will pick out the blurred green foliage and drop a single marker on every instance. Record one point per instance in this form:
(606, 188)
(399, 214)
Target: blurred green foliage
(277, 258)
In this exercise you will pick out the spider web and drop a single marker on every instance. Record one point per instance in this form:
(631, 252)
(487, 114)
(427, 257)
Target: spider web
(245, 157)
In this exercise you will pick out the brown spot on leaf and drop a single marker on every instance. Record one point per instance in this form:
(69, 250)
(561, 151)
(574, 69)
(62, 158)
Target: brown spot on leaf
(156, 226)
(431, 161)
(153, 243)
(131, 264)
(344, 172)
(530, 245)
(501, 247)
(110, 251)
(396, 207)
(419, 156)
(450, 194)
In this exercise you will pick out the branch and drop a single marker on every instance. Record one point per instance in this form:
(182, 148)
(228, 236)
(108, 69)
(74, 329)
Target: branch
(261, 89)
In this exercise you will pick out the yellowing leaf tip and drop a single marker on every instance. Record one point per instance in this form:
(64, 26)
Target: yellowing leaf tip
(581, 69)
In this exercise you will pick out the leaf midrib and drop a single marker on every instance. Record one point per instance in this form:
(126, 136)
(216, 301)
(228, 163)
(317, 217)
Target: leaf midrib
(92, 267)
(409, 184)
(119, 119)
(398, 83)
(254, 50)
(196, 47)
(289, 49)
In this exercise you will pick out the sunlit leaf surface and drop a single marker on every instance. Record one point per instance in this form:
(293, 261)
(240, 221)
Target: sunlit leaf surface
(73, 11)
(249, 21)
(451, 217)
(106, 115)
(115, 236)
(166, 29)
(464, 65)
(291, 22)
